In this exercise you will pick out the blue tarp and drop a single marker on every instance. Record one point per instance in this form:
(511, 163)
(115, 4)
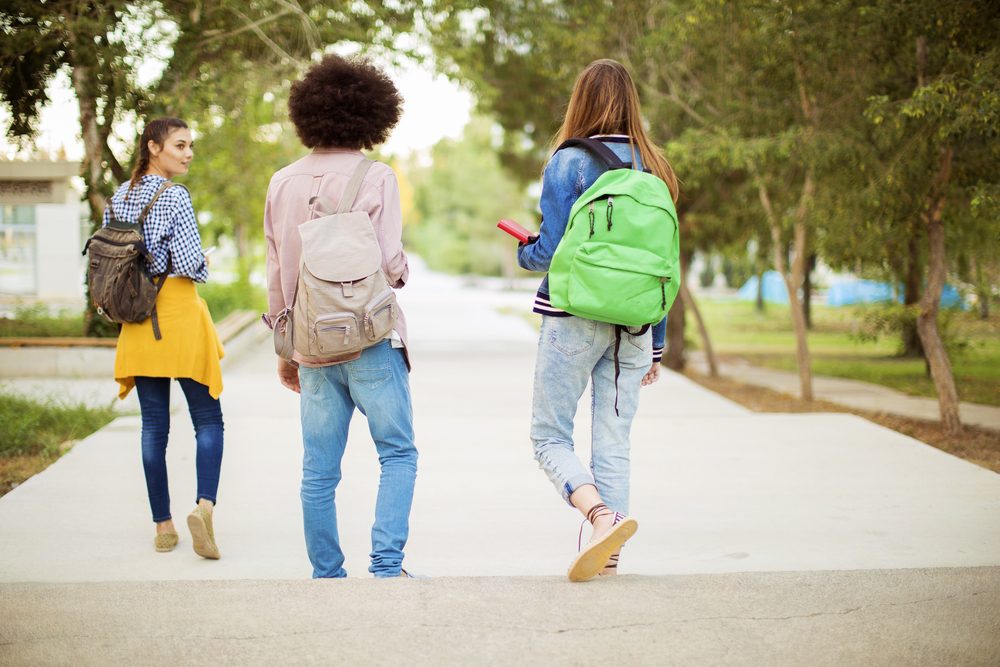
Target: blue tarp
(853, 292)
(774, 288)
(842, 293)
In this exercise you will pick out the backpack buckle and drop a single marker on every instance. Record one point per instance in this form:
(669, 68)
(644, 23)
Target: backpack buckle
(348, 289)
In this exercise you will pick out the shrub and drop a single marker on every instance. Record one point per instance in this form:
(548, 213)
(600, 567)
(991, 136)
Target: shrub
(37, 320)
(891, 319)
(224, 298)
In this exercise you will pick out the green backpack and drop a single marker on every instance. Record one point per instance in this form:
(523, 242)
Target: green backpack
(619, 258)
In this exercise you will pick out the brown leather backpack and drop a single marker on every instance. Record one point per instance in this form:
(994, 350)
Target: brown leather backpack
(121, 288)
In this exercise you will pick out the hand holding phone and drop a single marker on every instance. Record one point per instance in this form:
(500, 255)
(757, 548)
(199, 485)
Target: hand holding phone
(516, 230)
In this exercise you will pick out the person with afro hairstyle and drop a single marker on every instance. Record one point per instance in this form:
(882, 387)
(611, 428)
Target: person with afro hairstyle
(338, 108)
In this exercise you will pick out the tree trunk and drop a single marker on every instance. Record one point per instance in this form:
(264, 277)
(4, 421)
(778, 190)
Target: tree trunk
(793, 281)
(982, 292)
(927, 325)
(244, 252)
(93, 171)
(93, 175)
(759, 302)
(807, 290)
(706, 342)
(912, 348)
(675, 356)
(760, 263)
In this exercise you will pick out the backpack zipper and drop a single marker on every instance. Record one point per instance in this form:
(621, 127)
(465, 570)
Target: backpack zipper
(346, 328)
(590, 214)
(611, 206)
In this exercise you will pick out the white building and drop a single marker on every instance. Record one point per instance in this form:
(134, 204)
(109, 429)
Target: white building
(41, 231)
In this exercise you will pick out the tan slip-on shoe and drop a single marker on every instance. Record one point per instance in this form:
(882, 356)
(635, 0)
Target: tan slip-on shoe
(202, 534)
(164, 542)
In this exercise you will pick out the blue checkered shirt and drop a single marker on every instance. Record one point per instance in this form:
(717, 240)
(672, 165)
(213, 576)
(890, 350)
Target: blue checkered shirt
(170, 228)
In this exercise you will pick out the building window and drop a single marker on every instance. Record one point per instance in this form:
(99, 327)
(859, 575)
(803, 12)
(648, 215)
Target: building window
(18, 250)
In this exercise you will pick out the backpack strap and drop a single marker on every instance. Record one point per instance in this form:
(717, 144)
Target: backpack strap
(166, 185)
(618, 343)
(598, 148)
(323, 205)
(162, 278)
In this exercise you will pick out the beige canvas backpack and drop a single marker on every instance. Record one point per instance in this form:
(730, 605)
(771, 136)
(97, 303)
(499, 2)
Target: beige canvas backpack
(343, 302)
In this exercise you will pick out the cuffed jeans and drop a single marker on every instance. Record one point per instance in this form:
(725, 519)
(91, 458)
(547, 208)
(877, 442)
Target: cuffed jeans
(571, 351)
(378, 385)
(206, 415)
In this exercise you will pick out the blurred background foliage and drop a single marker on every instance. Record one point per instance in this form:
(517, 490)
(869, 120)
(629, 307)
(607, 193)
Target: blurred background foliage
(864, 125)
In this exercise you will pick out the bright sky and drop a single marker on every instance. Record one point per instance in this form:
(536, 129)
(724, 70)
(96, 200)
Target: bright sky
(434, 108)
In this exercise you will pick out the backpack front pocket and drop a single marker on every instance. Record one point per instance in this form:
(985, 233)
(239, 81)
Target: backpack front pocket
(380, 316)
(337, 333)
(619, 284)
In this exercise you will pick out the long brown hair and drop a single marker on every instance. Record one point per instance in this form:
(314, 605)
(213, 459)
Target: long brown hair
(605, 101)
(156, 130)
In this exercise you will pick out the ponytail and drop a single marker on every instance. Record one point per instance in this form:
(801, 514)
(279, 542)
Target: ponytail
(156, 131)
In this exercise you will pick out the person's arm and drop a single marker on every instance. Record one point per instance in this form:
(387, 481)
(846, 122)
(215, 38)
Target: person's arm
(559, 193)
(288, 371)
(275, 295)
(186, 257)
(659, 340)
(387, 218)
(659, 337)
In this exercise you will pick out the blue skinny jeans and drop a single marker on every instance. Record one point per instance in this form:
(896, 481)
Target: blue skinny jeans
(206, 415)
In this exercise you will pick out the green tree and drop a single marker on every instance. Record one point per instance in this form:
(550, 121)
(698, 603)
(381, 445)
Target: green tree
(237, 151)
(209, 45)
(945, 141)
(458, 200)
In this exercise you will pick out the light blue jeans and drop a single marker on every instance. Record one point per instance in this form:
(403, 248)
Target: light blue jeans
(571, 351)
(378, 385)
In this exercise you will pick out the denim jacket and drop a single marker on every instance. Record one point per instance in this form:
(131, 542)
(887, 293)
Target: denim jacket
(567, 175)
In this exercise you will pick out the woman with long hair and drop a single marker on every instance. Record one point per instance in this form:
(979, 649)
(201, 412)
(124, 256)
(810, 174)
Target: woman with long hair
(604, 105)
(180, 340)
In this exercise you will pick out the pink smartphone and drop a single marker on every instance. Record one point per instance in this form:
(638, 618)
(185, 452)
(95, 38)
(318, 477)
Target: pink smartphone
(515, 230)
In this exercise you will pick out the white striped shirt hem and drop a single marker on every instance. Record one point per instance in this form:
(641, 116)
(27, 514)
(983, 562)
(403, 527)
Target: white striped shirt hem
(545, 307)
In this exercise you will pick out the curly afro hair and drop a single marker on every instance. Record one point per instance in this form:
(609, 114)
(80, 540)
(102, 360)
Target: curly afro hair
(343, 103)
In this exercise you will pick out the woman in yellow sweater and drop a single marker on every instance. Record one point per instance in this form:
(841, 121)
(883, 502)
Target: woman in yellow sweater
(188, 347)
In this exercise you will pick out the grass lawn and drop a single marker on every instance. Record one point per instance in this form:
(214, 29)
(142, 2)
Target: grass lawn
(767, 339)
(33, 434)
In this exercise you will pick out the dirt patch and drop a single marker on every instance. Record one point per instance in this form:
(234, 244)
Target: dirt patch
(14, 470)
(976, 445)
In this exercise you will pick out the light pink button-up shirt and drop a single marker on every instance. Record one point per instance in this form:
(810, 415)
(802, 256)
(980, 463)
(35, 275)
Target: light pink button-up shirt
(326, 172)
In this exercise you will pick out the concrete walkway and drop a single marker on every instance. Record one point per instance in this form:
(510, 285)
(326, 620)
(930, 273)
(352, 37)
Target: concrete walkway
(764, 538)
(851, 393)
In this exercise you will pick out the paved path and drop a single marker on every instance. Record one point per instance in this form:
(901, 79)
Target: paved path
(840, 520)
(852, 393)
(814, 619)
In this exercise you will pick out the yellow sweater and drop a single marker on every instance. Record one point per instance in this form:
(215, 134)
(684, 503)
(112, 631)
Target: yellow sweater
(189, 347)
